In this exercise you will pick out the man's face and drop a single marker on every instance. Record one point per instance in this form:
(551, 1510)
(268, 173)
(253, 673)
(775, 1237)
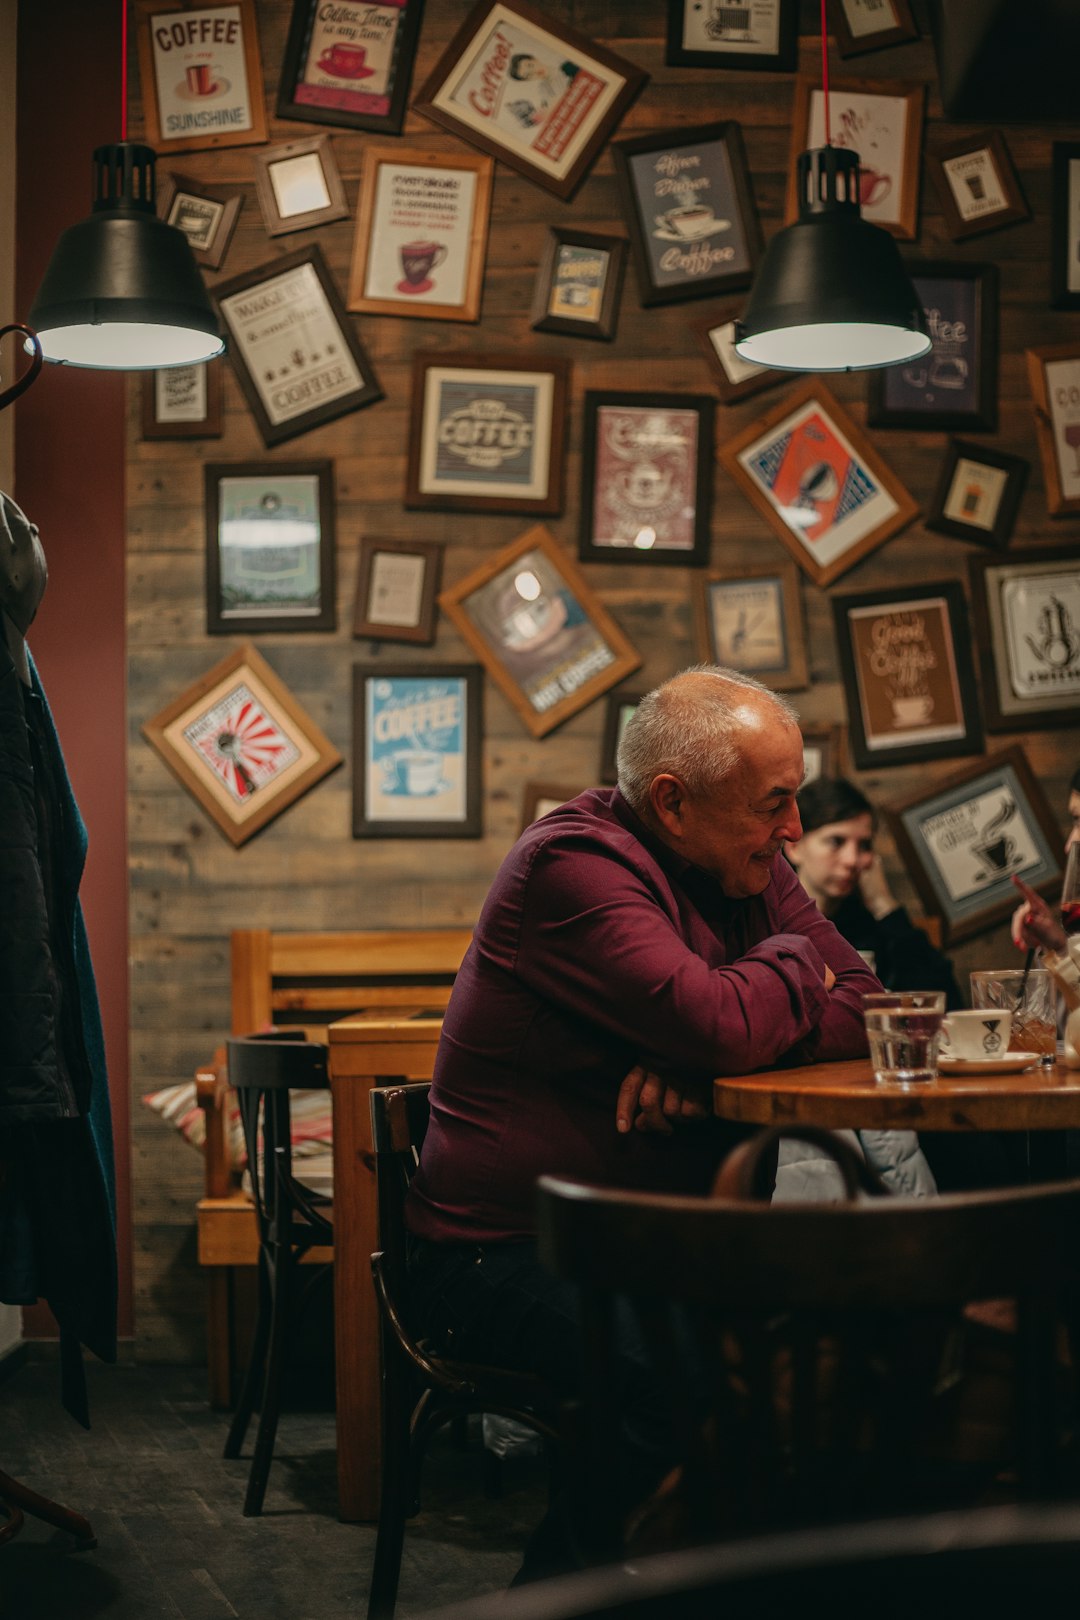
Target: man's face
(735, 832)
(1074, 816)
(831, 859)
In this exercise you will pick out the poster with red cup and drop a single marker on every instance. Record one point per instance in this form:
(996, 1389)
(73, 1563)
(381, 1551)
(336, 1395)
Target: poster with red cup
(349, 62)
(202, 76)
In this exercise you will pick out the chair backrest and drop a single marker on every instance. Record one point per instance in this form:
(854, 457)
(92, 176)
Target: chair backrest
(399, 1120)
(262, 1070)
(805, 1342)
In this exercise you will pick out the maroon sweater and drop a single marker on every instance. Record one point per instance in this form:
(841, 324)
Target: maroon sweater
(599, 947)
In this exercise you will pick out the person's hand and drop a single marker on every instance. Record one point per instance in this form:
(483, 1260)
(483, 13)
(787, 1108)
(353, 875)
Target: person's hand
(647, 1103)
(1033, 923)
(830, 977)
(877, 897)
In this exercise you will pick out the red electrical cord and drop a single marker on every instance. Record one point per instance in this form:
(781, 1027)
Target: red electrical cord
(124, 64)
(825, 74)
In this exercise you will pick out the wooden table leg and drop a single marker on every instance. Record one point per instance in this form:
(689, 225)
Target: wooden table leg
(356, 1336)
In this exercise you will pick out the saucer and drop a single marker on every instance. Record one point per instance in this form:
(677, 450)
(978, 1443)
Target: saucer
(711, 229)
(345, 73)
(1004, 1063)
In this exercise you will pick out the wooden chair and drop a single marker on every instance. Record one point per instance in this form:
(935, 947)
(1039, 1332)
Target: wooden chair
(293, 1222)
(421, 1390)
(805, 1349)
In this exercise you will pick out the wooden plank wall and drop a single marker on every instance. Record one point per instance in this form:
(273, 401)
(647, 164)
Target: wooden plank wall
(188, 885)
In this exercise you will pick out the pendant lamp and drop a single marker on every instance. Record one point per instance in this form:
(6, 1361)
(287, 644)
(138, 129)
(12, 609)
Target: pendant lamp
(832, 293)
(122, 291)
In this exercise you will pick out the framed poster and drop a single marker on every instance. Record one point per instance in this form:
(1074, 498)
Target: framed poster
(955, 384)
(976, 184)
(522, 86)
(881, 120)
(734, 377)
(269, 546)
(486, 434)
(1064, 260)
(870, 25)
(578, 282)
(823, 752)
(397, 588)
(964, 839)
(349, 63)
(542, 634)
(298, 185)
(1054, 379)
(760, 35)
(202, 82)
(618, 708)
(646, 478)
(293, 347)
(1027, 629)
(540, 798)
(978, 494)
(417, 748)
(818, 483)
(421, 233)
(182, 402)
(905, 659)
(241, 744)
(694, 228)
(751, 619)
(207, 215)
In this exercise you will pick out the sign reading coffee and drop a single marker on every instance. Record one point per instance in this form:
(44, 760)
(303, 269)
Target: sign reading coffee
(200, 70)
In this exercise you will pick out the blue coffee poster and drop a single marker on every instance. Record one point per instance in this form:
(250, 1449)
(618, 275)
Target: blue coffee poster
(415, 741)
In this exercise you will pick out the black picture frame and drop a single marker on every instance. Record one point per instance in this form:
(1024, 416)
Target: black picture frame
(978, 494)
(265, 494)
(1065, 217)
(696, 221)
(429, 763)
(591, 285)
(717, 43)
(1026, 612)
(641, 481)
(618, 707)
(342, 106)
(955, 385)
(207, 215)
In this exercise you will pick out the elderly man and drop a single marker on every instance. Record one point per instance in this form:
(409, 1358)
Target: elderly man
(635, 943)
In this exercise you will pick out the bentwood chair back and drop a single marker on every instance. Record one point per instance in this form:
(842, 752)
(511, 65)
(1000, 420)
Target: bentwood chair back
(818, 1358)
(292, 1219)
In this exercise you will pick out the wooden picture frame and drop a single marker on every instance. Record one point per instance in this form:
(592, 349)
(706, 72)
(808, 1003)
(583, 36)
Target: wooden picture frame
(397, 590)
(955, 384)
(618, 707)
(202, 83)
(964, 837)
(578, 283)
(292, 386)
(909, 680)
(646, 478)
(241, 744)
(763, 38)
(350, 67)
(860, 26)
(883, 117)
(978, 494)
(734, 378)
(752, 619)
(1054, 379)
(1026, 612)
(298, 185)
(182, 402)
(487, 433)
(977, 185)
(207, 215)
(270, 552)
(698, 241)
(818, 482)
(823, 752)
(548, 120)
(1065, 226)
(544, 636)
(540, 798)
(417, 751)
(421, 233)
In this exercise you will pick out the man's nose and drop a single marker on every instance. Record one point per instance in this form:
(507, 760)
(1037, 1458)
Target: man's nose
(791, 831)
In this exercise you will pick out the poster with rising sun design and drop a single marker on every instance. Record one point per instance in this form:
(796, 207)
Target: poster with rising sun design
(239, 741)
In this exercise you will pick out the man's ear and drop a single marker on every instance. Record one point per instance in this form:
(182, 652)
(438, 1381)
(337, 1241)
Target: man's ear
(667, 796)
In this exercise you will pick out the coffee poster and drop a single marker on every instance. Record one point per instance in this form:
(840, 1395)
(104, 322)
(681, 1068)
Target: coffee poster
(905, 666)
(746, 625)
(975, 493)
(420, 238)
(349, 62)
(751, 29)
(269, 546)
(645, 478)
(946, 379)
(577, 288)
(980, 841)
(486, 432)
(416, 738)
(1063, 393)
(875, 127)
(975, 184)
(1040, 612)
(689, 210)
(200, 73)
(180, 394)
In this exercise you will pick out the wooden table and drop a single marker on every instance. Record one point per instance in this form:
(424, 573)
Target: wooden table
(368, 1049)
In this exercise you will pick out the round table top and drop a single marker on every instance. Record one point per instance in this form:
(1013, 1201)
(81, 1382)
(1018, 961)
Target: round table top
(846, 1096)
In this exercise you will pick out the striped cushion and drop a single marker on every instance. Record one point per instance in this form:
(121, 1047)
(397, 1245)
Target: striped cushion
(310, 1111)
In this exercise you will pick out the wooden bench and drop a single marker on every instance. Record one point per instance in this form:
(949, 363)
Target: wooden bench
(295, 981)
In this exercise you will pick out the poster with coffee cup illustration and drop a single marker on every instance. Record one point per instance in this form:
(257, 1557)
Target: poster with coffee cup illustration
(646, 477)
(201, 75)
(417, 739)
(577, 285)
(350, 56)
(954, 385)
(881, 120)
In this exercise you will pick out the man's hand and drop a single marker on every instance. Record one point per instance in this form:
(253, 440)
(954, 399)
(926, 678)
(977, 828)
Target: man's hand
(647, 1103)
(830, 977)
(1034, 923)
(877, 897)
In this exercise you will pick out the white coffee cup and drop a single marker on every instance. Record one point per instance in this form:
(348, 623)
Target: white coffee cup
(976, 1035)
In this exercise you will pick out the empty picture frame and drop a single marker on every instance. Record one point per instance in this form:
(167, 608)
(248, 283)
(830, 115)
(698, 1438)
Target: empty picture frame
(646, 478)
(349, 64)
(751, 619)
(183, 402)
(733, 377)
(978, 494)
(1065, 228)
(881, 120)
(1026, 610)
(202, 83)
(417, 751)
(955, 384)
(1054, 379)
(298, 185)
(761, 37)
(270, 563)
(397, 590)
(578, 282)
(977, 185)
(207, 215)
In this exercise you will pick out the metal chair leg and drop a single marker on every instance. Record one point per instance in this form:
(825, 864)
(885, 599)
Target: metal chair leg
(396, 1486)
(255, 1370)
(270, 1404)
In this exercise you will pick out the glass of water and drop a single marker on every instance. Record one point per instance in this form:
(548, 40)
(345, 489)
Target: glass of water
(903, 1028)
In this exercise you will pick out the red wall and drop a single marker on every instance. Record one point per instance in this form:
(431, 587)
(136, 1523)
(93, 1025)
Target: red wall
(69, 457)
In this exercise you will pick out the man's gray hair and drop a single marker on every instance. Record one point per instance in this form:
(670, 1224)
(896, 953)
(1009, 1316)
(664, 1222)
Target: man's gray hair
(690, 729)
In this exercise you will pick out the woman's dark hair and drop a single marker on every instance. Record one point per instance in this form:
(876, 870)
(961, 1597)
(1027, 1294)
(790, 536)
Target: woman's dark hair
(1074, 781)
(831, 798)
